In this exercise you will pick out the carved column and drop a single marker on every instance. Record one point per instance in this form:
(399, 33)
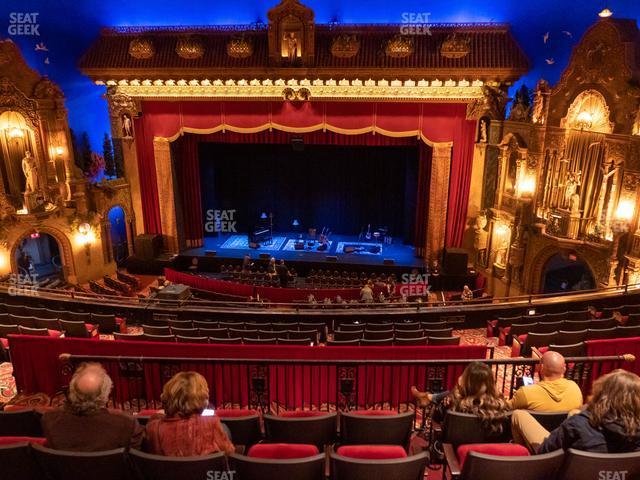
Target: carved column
(125, 148)
(166, 194)
(438, 200)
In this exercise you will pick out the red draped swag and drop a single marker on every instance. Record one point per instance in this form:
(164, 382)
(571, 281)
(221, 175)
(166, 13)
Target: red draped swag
(364, 123)
(37, 368)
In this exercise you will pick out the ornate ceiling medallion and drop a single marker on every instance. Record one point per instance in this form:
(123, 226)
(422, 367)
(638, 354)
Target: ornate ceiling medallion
(239, 47)
(189, 48)
(400, 46)
(345, 46)
(141, 48)
(455, 47)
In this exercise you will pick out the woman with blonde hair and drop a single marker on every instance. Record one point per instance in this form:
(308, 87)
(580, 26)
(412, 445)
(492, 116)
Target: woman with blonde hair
(182, 431)
(610, 422)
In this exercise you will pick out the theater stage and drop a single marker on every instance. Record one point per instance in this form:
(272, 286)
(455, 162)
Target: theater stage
(230, 248)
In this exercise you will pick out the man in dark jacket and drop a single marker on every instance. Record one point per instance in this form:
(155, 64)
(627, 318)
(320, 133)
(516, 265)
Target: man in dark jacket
(85, 424)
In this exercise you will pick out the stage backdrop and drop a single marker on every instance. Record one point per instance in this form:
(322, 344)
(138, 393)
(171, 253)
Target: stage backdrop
(429, 122)
(343, 188)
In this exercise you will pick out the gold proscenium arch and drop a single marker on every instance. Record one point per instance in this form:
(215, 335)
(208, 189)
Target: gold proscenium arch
(438, 188)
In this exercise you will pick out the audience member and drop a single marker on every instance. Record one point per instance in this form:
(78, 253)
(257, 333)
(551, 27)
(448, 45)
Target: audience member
(554, 393)
(366, 293)
(84, 424)
(467, 294)
(475, 393)
(182, 431)
(609, 423)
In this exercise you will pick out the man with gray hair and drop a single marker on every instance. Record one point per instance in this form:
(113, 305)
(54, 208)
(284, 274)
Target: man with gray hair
(85, 424)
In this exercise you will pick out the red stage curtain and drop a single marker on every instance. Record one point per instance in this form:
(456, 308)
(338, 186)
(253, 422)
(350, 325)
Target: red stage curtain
(37, 368)
(187, 166)
(422, 202)
(460, 182)
(434, 122)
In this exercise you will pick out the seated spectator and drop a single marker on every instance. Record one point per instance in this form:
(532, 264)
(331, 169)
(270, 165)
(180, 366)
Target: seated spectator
(610, 422)
(554, 393)
(475, 393)
(182, 431)
(467, 294)
(366, 293)
(85, 424)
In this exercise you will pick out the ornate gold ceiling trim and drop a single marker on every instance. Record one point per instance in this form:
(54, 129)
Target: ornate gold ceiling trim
(434, 90)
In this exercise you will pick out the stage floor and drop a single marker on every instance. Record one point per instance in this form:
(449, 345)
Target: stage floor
(236, 246)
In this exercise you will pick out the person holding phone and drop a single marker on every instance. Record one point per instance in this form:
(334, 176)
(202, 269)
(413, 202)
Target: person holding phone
(186, 428)
(554, 393)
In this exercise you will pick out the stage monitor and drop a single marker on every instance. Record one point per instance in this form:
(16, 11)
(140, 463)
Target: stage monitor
(455, 261)
(388, 261)
(331, 258)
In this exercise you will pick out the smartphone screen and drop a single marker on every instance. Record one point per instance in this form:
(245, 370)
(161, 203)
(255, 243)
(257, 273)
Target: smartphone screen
(527, 381)
(208, 412)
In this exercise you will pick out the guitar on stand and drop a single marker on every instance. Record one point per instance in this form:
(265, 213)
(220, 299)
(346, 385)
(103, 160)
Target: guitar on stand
(324, 240)
(367, 236)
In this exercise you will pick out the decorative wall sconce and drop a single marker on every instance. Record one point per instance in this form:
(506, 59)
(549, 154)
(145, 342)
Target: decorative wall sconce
(605, 13)
(626, 209)
(584, 120)
(85, 238)
(16, 133)
(526, 186)
(5, 266)
(59, 151)
(13, 123)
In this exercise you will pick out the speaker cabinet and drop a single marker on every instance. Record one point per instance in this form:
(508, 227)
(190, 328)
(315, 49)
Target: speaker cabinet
(455, 261)
(148, 246)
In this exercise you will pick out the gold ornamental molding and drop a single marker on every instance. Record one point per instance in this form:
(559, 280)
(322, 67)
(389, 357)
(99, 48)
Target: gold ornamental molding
(267, 89)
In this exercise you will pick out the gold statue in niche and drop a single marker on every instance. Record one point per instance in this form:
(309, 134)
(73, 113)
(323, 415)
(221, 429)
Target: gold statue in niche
(291, 46)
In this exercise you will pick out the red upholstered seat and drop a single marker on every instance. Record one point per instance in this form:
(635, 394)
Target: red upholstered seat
(148, 412)
(303, 414)
(374, 413)
(504, 333)
(502, 449)
(12, 440)
(54, 333)
(4, 342)
(282, 451)
(234, 413)
(372, 452)
(491, 328)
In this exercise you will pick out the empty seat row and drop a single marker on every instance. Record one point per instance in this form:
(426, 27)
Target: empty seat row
(523, 344)
(310, 335)
(517, 329)
(343, 326)
(22, 315)
(214, 340)
(320, 327)
(399, 342)
(384, 334)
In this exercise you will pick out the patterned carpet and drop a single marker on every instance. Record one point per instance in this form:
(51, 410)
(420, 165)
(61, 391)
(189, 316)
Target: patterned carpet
(7, 383)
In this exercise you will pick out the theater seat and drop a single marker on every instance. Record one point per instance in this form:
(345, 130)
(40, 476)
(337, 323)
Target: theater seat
(244, 425)
(158, 467)
(14, 440)
(482, 466)
(302, 427)
(282, 451)
(407, 468)
(301, 468)
(372, 452)
(499, 449)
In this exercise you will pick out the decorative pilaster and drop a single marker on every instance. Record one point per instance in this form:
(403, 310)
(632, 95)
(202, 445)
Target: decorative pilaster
(123, 107)
(438, 200)
(166, 194)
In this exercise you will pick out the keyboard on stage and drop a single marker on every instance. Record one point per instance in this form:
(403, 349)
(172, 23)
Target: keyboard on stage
(261, 235)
